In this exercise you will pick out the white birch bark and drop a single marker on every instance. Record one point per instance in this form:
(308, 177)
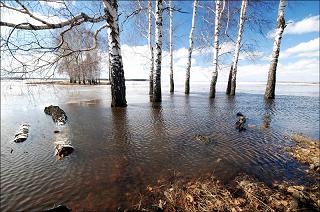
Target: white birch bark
(231, 89)
(150, 47)
(217, 26)
(157, 74)
(118, 88)
(171, 50)
(271, 83)
(193, 25)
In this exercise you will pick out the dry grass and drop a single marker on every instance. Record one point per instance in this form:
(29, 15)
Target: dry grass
(243, 194)
(199, 196)
(306, 151)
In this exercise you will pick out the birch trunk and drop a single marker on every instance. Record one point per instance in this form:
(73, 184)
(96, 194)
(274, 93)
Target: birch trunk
(157, 75)
(229, 80)
(150, 47)
(217, 26)
(231, 89)
(118, 88)
(171, 53)
(271, 83)
(187, 83)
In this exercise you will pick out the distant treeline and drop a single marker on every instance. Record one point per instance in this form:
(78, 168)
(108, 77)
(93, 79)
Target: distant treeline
(35, 78)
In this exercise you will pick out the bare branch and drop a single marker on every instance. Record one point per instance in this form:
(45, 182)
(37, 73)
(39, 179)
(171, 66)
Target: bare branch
(77, 20)
(26, 11)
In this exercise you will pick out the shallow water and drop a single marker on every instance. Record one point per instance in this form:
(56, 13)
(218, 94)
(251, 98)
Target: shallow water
(120, 151)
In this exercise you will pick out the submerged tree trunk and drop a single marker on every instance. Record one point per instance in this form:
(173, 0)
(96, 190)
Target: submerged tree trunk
(171, 53)
(187, 83)
(157, 75)
(118, 88)
(271, 83)
(217, 26)
(231, 89)
(83, 79)
(150, 47)
(229, 80)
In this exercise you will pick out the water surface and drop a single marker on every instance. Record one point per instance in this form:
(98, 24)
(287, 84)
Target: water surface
(120, 151)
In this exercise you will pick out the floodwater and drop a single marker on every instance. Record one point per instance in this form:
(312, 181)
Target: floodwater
(120, 151)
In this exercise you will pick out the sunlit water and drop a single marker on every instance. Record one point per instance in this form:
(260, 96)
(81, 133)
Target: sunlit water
(120, 151)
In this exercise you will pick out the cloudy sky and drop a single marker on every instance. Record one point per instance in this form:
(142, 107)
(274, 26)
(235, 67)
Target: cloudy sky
(299, 55)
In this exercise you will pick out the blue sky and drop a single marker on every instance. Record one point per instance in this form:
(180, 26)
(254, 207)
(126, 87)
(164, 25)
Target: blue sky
(303, 29)
(299, 56)
(295, 11)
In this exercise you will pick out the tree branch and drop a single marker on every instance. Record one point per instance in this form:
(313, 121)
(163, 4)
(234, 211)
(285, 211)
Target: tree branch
(77, 20)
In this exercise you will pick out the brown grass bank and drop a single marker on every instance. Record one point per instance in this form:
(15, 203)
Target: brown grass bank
(243, 194)
(306, 151)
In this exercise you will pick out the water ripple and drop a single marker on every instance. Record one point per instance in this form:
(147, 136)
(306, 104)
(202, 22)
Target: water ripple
(121, 150)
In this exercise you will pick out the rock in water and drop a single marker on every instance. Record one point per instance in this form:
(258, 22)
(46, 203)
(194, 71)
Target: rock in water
(22, 133)
(58, 115)
(240, 123)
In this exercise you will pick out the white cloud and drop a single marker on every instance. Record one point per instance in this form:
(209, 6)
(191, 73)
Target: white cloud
(303, 70)
(226, 47)
(53, 4)
(308, 49)
(302, 65)
(16, 17)
(136, 65)
(309, 24)
(250, 55)
(10, 67)
(306, 25)
(308, 54)
(304, 49)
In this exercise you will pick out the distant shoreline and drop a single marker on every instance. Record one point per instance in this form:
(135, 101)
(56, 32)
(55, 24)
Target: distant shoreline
(62, 82)
(106, 81)
(66, 82)
(38, 81)
(65, 79)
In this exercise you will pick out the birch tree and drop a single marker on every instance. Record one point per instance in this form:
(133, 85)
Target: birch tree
(193, 25)
(171, 50)
(79, 64)
(217, 27)
(281, 24)
(231, 88)
(157, 75)
(118, 88)
(108, 16)
(150, 46)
